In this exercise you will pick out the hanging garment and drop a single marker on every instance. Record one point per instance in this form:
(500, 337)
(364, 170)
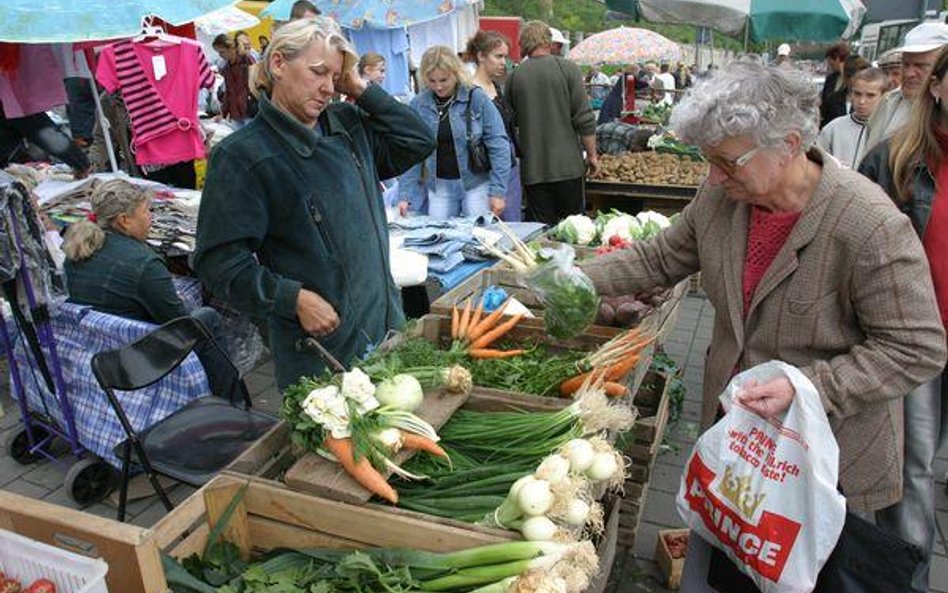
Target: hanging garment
(160, 86)
(36, 86)
(440, 31)
(391, 44)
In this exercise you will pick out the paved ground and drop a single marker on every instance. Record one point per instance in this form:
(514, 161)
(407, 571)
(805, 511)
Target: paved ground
(634, 570)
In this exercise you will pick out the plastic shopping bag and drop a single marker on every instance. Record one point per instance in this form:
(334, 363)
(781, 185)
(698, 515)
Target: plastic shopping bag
(764, 492)
(568, 295)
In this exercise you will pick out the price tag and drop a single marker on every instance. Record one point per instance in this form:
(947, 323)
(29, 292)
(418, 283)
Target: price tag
(159, 66)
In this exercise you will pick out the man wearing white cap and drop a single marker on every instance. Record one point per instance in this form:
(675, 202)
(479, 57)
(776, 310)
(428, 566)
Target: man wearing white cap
(783, 56)
(559, 41)
(921, 47)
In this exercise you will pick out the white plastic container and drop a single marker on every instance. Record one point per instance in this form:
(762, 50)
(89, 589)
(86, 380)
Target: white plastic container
(27, 560)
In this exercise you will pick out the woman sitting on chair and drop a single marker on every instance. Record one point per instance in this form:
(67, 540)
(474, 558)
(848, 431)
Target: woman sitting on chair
(110, 268)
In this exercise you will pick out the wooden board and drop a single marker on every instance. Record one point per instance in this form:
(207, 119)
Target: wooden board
(130, 551)
(672, 568)
(318, 475)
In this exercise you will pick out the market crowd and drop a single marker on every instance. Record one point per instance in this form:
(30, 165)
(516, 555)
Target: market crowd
(819, 232)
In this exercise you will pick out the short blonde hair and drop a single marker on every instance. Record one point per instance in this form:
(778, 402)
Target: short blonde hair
(294, 37)
(442, 57)
(533, 35)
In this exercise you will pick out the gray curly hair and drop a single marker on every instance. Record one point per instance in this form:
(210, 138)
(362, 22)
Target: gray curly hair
(746, 98)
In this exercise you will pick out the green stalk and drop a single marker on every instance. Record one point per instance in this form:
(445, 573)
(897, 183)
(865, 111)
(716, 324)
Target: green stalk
(498, 587)
(476, 576)
(494, 554)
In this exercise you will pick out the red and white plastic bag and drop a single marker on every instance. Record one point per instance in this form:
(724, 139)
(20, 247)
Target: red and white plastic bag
(764, 492)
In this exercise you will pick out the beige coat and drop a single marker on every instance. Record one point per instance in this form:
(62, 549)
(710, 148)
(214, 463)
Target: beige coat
(848, 300)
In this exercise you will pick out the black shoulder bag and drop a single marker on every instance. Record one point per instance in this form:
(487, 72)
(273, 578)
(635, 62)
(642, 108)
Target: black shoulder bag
(478, 159)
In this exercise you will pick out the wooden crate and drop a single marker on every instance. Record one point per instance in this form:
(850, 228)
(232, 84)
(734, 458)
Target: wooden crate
(672, 568)
(130, 551)
(647, 436)
(271, 516)
(437, 329)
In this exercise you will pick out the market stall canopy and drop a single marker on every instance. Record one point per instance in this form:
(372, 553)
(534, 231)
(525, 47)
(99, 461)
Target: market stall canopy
(225, 20)
(625, 45)
(376, 14)
(799, 20)
(61, 21)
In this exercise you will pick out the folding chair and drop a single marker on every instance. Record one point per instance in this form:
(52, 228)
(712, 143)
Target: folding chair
(194, 443)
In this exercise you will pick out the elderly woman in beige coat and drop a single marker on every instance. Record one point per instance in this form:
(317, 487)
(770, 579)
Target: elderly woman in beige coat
(804, 262)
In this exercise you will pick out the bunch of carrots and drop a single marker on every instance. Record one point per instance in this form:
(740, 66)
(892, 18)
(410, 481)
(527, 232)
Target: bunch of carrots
(476, 335)
(610, 363)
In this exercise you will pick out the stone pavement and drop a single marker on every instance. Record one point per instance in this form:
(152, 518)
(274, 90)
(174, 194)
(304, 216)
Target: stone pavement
(634, 570)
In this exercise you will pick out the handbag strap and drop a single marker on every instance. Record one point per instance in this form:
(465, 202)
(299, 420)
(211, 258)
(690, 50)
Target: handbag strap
(467, 112)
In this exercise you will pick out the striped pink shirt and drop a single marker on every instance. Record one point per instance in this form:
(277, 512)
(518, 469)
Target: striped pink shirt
(165, 126)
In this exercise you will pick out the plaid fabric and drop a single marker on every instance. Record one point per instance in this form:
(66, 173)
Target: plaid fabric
(617, 137)
(80, 333)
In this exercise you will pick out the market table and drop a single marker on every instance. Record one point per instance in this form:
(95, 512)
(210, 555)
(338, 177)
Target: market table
(636, 197)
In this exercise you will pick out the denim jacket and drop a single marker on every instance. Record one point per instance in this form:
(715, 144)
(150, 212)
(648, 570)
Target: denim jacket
(486, 123)
(875, 166)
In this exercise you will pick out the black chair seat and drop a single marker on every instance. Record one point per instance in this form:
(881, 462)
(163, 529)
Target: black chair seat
(196, 442)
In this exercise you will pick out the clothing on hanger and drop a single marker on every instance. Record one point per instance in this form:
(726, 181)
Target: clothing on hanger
(391, 44)
(159, 84)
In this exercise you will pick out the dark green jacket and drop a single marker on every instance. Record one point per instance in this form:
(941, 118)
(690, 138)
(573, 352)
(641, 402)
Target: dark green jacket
(125, 278)
(285, 207)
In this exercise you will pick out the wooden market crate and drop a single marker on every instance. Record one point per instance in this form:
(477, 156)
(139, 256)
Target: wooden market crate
(643, 448)
(271, 516)
(130, 551)
(672, 568)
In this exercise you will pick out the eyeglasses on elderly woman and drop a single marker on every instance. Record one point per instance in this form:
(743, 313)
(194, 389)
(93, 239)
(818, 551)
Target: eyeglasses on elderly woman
(730, 166)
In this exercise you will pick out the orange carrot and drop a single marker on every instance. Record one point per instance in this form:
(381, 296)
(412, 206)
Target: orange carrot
(615, 389)
(475, 317)
(569, 386)
(454, 322)
(416, 442)
(488, 322)
(495, 334)
(622, 368)
(491, 353)
(362, 470)
(465, 319)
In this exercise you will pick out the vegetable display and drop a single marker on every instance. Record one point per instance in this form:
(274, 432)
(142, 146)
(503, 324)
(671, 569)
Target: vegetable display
(537, 567)
(615, 229)
(343, 420)
(12, 585)
(475, 336)
(567, 294)
(677, 166)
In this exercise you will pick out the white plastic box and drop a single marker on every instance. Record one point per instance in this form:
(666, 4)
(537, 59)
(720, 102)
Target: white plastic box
(26, 561)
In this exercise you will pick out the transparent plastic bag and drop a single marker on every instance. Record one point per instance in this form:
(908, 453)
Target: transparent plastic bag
(568, 295)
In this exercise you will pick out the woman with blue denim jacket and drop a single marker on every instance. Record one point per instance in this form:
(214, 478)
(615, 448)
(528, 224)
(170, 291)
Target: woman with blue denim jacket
(445, 180)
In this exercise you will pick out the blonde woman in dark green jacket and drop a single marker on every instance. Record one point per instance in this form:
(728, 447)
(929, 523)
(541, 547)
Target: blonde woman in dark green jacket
(292, 225)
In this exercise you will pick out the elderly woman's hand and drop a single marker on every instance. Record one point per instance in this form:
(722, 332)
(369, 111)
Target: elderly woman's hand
(767, 399)
(315, 314)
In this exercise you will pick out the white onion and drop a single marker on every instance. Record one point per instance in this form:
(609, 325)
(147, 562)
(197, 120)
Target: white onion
(391, 439)
(576, 513)
(538, 529)
(519, 484)
(553, 469)
(580, 454)
(535, 497)
(603, 467)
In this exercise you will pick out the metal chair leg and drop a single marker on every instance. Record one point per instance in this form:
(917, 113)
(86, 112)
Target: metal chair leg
(152, 476)
(123, 492)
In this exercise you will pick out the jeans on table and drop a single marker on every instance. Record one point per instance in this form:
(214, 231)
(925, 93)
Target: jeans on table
(450, 200)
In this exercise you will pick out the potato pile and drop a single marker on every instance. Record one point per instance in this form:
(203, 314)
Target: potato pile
(629, 310)
(651, 168)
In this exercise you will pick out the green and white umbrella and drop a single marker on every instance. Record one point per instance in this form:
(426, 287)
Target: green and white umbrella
(759, 20)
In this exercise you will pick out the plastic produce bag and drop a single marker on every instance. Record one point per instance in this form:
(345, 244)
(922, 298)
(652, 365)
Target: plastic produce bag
(568, 295)
(765, 492)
